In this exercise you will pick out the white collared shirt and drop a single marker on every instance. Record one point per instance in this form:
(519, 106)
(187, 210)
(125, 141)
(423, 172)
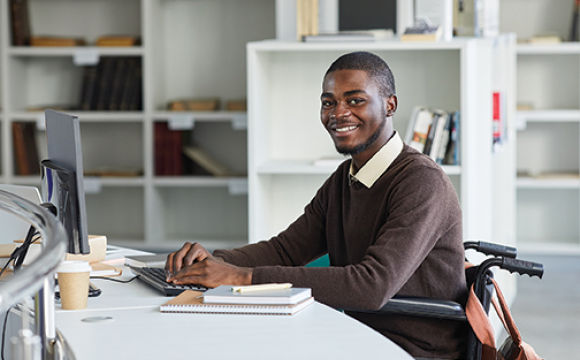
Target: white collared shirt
(378, 164)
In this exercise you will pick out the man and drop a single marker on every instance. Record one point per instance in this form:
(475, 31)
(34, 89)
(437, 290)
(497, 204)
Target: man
(389, 220)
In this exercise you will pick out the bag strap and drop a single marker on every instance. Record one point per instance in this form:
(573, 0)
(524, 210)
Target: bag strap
(505, 315)
(481, 326)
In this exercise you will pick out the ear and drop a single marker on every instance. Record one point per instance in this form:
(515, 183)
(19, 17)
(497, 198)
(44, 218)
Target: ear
(391, 104)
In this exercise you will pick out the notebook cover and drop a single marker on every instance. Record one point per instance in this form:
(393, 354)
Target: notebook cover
(190, 301)
(224, 295)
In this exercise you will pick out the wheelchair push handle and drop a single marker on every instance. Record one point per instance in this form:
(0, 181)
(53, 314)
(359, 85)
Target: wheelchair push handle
(523, 267)
(492, 249)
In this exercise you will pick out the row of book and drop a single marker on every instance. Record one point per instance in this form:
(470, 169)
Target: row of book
(435, 132)
(114, 84)
(176, 155)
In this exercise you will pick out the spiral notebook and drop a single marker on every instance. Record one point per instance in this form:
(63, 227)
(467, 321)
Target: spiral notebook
(191, 301)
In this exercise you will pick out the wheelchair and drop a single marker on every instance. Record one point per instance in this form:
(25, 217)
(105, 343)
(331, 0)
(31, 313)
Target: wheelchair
(500, 256)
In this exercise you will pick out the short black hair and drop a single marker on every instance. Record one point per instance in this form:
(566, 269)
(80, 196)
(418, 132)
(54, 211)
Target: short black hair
(375, 67)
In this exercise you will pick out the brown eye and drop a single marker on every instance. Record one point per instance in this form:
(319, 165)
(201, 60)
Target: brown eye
(355, 101)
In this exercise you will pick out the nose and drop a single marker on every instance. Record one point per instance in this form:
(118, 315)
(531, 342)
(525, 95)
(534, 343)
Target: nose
(341, 111)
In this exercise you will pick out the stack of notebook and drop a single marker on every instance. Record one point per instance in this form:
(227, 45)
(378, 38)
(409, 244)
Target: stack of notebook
(255, 299)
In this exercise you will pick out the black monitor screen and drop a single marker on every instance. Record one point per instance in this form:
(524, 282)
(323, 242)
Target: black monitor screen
(367, 15)
(62, 183)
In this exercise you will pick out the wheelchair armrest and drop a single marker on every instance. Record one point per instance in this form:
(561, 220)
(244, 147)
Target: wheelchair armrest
(425, 307)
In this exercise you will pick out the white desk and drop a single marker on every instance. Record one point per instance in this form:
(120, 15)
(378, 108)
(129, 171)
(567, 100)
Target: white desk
(140, 331)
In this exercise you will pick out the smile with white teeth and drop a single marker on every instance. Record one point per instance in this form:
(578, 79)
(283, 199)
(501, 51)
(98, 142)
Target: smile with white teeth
(348, 128)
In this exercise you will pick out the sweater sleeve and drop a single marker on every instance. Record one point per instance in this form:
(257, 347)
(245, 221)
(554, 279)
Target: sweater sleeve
(422, 210)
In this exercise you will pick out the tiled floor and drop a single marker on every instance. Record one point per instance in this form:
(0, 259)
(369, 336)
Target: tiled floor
(547, 311)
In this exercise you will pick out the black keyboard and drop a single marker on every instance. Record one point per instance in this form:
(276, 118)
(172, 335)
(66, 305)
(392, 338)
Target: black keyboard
(155, 277)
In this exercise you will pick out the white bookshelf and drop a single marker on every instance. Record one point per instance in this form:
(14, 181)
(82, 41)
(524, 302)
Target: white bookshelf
(548, 136)
(188, 49)
(286, 134)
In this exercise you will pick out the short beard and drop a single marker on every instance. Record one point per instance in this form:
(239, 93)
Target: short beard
(371, 140)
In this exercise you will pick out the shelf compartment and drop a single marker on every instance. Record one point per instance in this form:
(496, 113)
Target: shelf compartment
(87, 19)
(37, 78)
(117, 212)
(548, 81)
(280, 199)
(213, 64)
(539, 17)
(547, 148)
(548, 214)
(114, 150)
(225, 146)
(194, 213)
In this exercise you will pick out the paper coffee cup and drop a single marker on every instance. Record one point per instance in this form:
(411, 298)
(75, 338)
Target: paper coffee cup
(73, 281)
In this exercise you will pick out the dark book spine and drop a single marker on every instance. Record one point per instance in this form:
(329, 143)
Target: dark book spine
(20, 22)
(130, 79)
(32, 159)
(20, 162)
(131, 98)
(188, 166)
(574, 28)
(174, 151)
(105, 79)
(160, 130)
(431, 134)
(452, 151)
(88, 87)
(119, 79)
(136, 101)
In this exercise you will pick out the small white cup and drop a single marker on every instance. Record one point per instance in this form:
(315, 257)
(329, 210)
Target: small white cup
(73, 281)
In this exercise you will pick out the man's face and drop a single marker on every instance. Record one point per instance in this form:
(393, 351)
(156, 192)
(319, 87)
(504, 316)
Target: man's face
(353, 111)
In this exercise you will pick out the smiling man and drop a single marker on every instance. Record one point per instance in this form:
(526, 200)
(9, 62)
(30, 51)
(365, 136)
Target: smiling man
(389, 219)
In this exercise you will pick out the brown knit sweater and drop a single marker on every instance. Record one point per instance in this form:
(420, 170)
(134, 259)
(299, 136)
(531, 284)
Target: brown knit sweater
(401, 236)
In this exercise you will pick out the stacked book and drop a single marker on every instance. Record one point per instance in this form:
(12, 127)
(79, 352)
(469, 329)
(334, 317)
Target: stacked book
(435, 133)
(266, 299)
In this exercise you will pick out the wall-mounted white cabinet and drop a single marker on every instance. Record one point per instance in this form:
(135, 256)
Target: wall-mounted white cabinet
(188, 49)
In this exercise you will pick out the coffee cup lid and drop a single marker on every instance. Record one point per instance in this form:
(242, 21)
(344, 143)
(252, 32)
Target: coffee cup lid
(72, 266)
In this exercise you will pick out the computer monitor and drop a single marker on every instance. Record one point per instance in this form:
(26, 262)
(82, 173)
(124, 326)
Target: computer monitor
(62, 177)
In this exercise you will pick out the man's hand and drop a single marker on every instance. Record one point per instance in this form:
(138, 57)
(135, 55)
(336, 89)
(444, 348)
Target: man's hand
(187, 255)
(193, 264)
